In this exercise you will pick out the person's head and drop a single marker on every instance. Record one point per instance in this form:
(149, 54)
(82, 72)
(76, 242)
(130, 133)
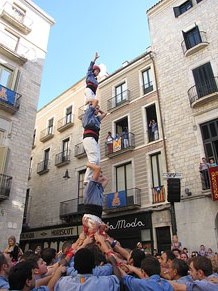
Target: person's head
(166, 257)
(211, 161)
(38, 250)
(97, 108)
(139, 245)
(84, 261)
(66, 246)
(48, 255)
(204, 160)
(11, 241)
(150, 266)
(177, 269)
(96, 70)
(175, 238)
(202, 247)
(194, 254)
(136, 257)
(21, 276)
(26, 255)
(177, 253)
(5, 264)
(200, 267)
(109, 133)
(41, 267)
(185, 250)
(184, 256)
(98, 255)
(209, 251)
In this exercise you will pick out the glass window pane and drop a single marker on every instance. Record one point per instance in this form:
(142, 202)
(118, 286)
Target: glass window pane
(129, 182)
(120, 179)
(205, 132)
(213, 129)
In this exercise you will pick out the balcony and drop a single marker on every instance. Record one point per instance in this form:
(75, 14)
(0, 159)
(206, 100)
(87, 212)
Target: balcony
(147, 88)
(81, 111)
(122, 200)
(11, 46)
(158, 194)
(46, 134)
(5, 186)
(79, 151)
(118, 100)
(9, 100)
(196, 42)
(71, 208)
(65, 123)
(120, 145)
(202, 93)
(63, 158)
(16, 17)
(43, 167)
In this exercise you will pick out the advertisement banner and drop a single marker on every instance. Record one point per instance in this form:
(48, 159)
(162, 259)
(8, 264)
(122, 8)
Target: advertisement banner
(116, 199)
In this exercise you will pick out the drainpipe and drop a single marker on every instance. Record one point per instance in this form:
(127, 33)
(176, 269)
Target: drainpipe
(172, 208)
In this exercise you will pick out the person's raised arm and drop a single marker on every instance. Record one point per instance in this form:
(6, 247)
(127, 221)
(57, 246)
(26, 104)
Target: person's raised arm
(96, 57)
(96, 170)
(102, 114)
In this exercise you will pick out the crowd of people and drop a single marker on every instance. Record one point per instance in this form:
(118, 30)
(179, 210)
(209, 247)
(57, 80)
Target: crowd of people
(99, 262)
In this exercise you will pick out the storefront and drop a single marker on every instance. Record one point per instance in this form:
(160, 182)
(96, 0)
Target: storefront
(132, 228)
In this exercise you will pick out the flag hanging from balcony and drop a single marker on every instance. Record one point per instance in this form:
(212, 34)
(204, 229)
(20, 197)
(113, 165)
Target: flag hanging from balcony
(117, 144)
(158, 194)
(213, 173)
(7, 95)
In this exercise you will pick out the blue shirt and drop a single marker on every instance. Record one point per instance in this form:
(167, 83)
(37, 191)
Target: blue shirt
(150, 284)
(88, 282)
(104, 270)
(90, 77)
(93, 193)
(90, 120)
(202, 285)
(4, 283)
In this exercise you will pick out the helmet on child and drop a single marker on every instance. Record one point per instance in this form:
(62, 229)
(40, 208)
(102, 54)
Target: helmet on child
(95, 67)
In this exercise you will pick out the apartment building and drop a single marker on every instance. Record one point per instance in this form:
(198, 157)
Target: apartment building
(184, 42)
(22, 53)
(135, 207)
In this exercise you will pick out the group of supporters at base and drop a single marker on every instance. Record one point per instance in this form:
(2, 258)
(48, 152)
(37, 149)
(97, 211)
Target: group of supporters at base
(98, 262)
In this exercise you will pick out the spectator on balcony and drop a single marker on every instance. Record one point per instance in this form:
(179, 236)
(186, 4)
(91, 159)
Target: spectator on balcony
(153, 130)
(212, 163)
(93, 201)
(91, 80)
(203, 168)
(91, 124)
(109, 142)
(125, 138)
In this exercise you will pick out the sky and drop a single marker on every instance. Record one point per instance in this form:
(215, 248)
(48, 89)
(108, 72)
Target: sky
(116, 29)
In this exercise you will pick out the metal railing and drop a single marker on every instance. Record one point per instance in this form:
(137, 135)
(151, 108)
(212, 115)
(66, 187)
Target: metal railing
(5, 186)
(65, 121)
(147, 88)
(121, 143)
(17, 14)
(47, 133)
(201, 90)
(118, 100)
(43, 167)
(79, 150)
(132, 199)
(70, 207)
(194, 39)
(9, 97)
(62, 157)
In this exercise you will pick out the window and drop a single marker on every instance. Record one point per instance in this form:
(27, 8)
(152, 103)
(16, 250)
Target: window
(6, 76)
(30, 168)
(124, 177)
(182, 8)
(156, 169)
(34, 138)
(69, 114)
(152, 124)
(25, 214)
(50, 125)
(122, 134)
(120, 93)
(46, 158)
(204, 80)
(81, 186)
(147, 83)
(209, 132)
(198, 1)
(192, 37)
(65, 147)
(11, 40)
(18, 12)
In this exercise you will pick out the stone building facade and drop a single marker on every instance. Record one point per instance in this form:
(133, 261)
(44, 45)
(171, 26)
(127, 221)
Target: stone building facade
(22, 54)
(185, 53)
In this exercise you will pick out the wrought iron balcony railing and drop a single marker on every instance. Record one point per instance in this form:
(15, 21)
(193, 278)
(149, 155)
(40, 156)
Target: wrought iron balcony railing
(158, 194)
(46, 133)
(71, 207)
(120, 144)
(62, 158)
(9, 100)
(16, 17)
(197, 38)
(43, 167)
(122, 200)
(204, 89)
(79, 150)
(118, 100)
(81, 111)
(5, 186)
(65, 122)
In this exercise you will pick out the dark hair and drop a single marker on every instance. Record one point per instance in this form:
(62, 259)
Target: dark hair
(150, 265)
(170, 255)
(48, 255)
(19, 274)
(3, 260)
(99, 257)
(26, 255)
(202, 263)
(181, 267)
(84, 261)
(137, 255)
